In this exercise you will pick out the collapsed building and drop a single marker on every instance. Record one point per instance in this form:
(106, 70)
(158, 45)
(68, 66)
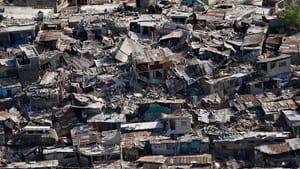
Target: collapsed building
(148, 84)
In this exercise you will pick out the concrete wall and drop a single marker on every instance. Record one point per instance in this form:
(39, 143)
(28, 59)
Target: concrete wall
(29, 72)
(226, 86)
(277, 67)
(182, 126)
(164, 149)
(255, 88)
(180, 148)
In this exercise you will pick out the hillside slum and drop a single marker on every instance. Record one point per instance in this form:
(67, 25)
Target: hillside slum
(148, 84)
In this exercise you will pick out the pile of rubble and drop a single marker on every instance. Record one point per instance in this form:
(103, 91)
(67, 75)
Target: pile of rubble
(148, 84)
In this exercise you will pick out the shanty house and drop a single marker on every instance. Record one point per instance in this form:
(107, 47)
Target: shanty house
(35, 3)
(254, 87)
(272, 109)
(65, 155)
(48, 38)
(177, 124)
(155, 161)
(104, 122)
(246, 102)
(274, 66)
(284, 154)
(28, 64)
(133, 144)
(16, 35)
(173, 40)
(152, 65)
(83, 135)
(145, 26)
(227, 84)
(191, 161)
(105, 148)
(180, 17)
(292, 119)
(35, 136)
(290, 46)
(242, 145)
(185, 145)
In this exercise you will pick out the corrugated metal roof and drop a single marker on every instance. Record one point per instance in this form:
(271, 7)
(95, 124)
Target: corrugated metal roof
(153, 159)
(253, 40)
(127, 48)
(270, 59)
(273, 149)
(193, 159)
(290, 44)
(174, 34)
(47, 36)
(153, 55)
(178, 160)
(278, 106)
(247, 101)
(128, 139)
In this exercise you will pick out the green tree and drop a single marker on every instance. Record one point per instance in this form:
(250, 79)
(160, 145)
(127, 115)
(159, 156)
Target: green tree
(290, 17)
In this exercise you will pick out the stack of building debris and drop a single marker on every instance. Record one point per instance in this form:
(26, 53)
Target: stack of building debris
(148, 84)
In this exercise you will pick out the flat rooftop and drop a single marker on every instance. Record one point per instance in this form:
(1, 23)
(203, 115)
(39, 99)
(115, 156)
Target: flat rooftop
(23, 12)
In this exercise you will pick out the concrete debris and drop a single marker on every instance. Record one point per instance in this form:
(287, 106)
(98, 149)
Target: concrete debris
(148, 84)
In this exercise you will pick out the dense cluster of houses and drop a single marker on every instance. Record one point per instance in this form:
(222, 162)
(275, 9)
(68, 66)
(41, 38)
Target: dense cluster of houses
(153, 84)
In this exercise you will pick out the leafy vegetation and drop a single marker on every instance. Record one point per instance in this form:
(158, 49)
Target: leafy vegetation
(291, 17)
